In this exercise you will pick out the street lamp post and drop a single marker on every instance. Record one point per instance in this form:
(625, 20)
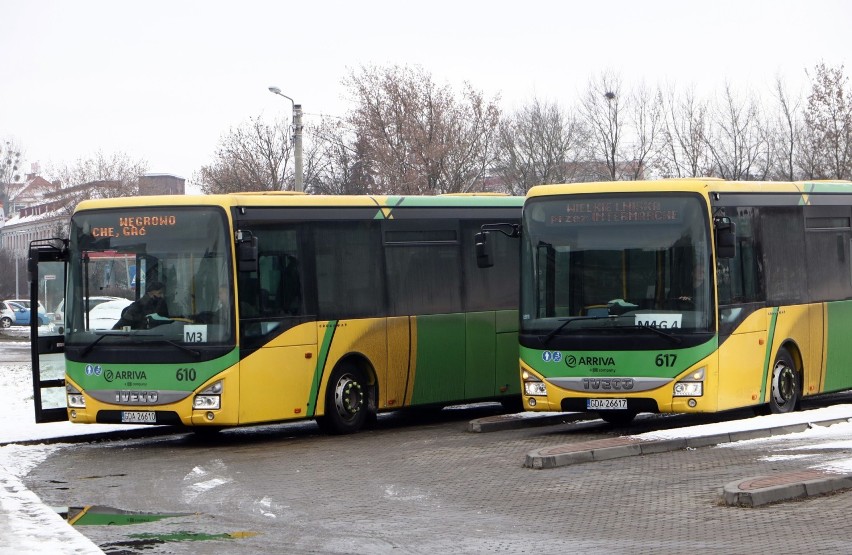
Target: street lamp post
(297, 136)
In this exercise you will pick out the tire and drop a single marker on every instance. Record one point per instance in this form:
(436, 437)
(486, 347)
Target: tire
(206, 431)
(346, 401)
(786, 385)
(512, 404)
(617, 417)
(6, 322)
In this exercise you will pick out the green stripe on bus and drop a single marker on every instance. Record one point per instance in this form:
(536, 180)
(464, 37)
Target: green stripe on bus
(440, 358)
(768, 356)
(612, 363)
(838, 371)
(94, 376)
(331, 326)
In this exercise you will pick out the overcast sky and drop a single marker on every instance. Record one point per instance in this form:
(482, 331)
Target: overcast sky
(162, 80)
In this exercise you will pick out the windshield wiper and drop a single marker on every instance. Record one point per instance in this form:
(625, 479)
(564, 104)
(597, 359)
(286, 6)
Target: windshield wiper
(193, 352)
(675, 339)
(97, 340)
(565, 321)
(90, 346)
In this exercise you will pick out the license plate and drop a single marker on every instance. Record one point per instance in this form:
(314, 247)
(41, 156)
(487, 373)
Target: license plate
(606, 404)
(138, 417)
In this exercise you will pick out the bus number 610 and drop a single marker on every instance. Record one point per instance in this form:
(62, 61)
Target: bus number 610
(185, 374)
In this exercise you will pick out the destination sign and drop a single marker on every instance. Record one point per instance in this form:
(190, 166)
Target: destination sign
(130, 226)
(617, 211)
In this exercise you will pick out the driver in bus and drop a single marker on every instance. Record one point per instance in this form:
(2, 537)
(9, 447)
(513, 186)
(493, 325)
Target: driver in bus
(695, 294)
(221, 312)
(152, 302)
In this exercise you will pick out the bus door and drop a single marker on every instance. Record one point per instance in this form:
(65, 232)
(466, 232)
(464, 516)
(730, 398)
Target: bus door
(46, 272)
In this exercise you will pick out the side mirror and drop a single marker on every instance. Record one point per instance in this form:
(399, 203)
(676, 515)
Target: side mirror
(247, 255)
(726, 238)
(484, 250)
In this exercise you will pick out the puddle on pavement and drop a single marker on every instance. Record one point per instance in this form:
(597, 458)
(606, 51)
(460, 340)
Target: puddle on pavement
(98, 515)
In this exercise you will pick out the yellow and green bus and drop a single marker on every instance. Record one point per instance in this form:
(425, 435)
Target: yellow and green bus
(684, 295)
(243, 309)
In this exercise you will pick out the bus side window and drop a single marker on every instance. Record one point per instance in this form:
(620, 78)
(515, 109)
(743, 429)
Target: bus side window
(291, 286)
(740, 279)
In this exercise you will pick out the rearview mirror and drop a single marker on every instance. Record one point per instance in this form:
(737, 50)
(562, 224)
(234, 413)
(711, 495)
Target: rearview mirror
(247, 255)
(484, 250)
(726, 238)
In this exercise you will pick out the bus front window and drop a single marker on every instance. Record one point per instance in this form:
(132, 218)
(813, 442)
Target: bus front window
(595, 263)
(150, 275)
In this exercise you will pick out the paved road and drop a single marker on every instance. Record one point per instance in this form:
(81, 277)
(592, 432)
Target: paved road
(430, 487)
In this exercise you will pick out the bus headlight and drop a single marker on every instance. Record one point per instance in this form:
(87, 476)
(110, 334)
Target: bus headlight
(210, 397)
(75, 398)
(688, 389)
(533, 385)
(692, 386)
(535, 388)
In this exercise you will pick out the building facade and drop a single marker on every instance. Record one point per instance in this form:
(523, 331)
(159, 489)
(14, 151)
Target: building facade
(39, 209)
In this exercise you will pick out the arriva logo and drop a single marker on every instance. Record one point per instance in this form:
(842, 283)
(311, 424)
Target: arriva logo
(572, 361)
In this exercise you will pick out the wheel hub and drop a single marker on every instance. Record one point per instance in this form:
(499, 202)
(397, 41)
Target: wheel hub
(786, 382)
(348, 397)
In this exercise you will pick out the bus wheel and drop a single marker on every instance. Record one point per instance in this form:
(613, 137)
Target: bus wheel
(512, 404)
(346, 404)
(785, 384)
(617, 417)
(206, 431)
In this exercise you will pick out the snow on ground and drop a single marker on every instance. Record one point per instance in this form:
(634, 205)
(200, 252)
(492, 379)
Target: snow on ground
(28, 526)
(819, 447)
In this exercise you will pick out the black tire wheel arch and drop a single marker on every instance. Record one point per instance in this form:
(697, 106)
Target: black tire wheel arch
(786, 387)
(347, 400)
(617, 417)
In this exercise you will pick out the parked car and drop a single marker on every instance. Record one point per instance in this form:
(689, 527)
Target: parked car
(26, 303)
(106, 314)
(13, 313)
(59, 313)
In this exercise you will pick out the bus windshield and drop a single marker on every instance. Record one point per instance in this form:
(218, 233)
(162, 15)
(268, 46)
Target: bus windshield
(158, 275)
(602, 263)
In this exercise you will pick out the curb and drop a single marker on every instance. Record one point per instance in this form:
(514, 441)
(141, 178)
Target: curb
(753, 491)
(628, 446)
(99, 436)
(762, 490)
(502, 422)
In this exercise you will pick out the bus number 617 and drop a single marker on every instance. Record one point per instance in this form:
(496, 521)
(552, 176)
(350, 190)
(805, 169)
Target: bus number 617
(666, 360)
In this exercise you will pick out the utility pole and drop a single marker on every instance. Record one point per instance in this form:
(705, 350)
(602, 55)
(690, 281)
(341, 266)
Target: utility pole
(297, 145)
(297, 137)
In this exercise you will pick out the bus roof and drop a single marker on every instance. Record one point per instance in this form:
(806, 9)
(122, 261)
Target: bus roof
(283, 198)
(704, 185)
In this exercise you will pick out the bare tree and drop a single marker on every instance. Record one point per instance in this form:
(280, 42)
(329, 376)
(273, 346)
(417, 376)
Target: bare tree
(684, 152)
(251, 157)
(827, 141)
(341, 166)
(105, 176)
(10, 164)
(540, 143)
(417, 137)
(737, 139)
(648, 122)
(257, 156)
(603, 108)
(784, 134)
